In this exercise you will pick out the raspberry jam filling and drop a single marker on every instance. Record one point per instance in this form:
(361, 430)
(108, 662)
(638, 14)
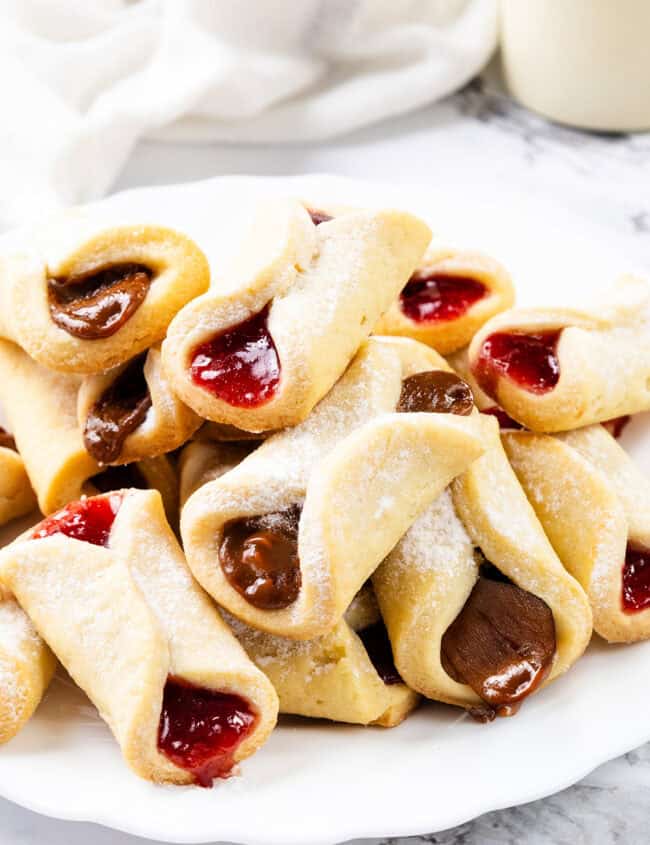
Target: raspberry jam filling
(437, 392)
(505, 421)
(89, 520)
(95, 305)
(6, 440)
(259, 557)
(318, 217)
(636, 579)
(376, 643)
(239, 366)
(117, 413)
(200, 730)
(437, 297)
(502, 644)
(530, 360)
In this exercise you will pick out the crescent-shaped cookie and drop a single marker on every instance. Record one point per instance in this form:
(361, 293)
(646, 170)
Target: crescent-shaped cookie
(205, 460)
(106, 585)
(594, 504)
(26, 667)
(16, 495)
(345, 676)
(130, 412)
(328, 498)
(259, 352)
(430, 582)
(555, 369)
(449, 297)
(85, 297)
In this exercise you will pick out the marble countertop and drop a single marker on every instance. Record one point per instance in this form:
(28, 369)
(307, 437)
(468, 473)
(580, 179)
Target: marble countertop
(479, 140)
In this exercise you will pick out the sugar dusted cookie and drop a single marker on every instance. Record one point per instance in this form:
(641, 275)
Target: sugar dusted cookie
(449, 297)
(594, 504)
(16, 495)
(131, 413)
(555, 369)
(85, 297)
(287, 538)
(479, 609)
(106, 584)
(259, 351)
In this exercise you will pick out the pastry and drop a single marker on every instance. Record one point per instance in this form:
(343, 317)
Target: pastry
(346, 675)
(479, 610)
(16, 495)
(448, 298)
(202, 461)
(130, 412)
(106, 585)
(261, 350)
(26, 667)
(555, 369)
(41, 406)
(85, 297)
(287, 538)
(594, 505)
(459, 363)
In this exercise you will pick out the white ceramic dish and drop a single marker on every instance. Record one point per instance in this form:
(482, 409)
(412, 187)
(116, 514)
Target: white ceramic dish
(315, 783)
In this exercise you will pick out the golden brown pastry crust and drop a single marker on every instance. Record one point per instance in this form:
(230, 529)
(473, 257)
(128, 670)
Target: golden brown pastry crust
(16, 495)
(78, 244)
(125, 617)
(326, 285)
(446, 336)
(363, 472)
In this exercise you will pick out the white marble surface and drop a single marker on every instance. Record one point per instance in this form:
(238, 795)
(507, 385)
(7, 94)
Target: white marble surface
(478, 140)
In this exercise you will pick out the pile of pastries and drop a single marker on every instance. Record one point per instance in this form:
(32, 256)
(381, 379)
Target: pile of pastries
(264, 489)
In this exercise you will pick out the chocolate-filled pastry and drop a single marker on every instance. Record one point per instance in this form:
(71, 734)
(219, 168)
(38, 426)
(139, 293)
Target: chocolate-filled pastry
(16, 495)
(85, 297)
(286, 539)
(131, 413)
(261, 351)
(203, 460)
(594, 505)
(451, 294)
(479, 609)
(556, 369)
(26, 667)
(346, 675)
(106, 585)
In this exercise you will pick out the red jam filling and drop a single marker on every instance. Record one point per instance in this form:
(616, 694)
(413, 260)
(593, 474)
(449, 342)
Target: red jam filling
(239, 366)
(636, 579)
(435, 297)
(505, 421)
(201, 729)
(89, 520)
(530, 360)
(318, 217)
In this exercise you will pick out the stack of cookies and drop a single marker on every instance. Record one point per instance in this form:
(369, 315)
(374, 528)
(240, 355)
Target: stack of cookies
(268, 491)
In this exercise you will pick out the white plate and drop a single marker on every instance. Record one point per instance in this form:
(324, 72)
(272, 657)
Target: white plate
(315, 783)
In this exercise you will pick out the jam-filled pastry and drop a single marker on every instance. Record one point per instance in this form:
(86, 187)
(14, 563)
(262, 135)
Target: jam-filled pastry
(346, 675)
(448, 298)
(287, 538)
(594, 504)
(202, 461)
(106, 585)
(556, 369)
(479, 609)
(459, 363)
(16, 495)
(131, 413)
(86, 297)
(259, 354)
(26, 667)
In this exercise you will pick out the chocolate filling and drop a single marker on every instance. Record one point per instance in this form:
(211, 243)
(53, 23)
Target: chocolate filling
(437, 392)
(376, 643)
(6, 440)
(259, 557)
(119, 478)
(502, 644)
(97, 304)
(120, 409)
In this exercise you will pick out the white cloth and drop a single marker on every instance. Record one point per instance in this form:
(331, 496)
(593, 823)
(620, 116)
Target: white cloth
(82, 80)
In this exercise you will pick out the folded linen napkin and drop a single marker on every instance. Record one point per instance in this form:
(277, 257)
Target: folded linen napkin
(82, 82)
